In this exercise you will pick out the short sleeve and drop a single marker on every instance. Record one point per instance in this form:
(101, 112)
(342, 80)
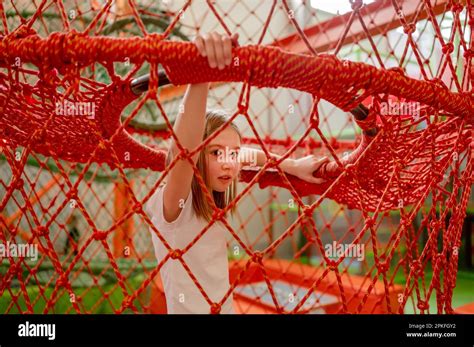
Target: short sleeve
(169, 231)
(155, 210)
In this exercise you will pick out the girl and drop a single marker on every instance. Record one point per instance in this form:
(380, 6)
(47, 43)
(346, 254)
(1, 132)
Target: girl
(179, 209)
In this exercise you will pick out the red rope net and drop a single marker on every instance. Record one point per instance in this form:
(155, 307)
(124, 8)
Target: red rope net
(397, 185)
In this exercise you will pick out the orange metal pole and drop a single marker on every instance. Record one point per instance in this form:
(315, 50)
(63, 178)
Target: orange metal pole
(123, 235)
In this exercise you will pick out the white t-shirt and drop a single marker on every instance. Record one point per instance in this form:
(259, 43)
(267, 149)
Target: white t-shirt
(207, 258)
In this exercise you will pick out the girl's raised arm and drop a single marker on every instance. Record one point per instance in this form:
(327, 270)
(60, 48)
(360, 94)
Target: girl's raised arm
(190, 123)
(189, 129)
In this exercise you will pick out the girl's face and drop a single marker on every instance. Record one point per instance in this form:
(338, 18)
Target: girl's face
(222, 159)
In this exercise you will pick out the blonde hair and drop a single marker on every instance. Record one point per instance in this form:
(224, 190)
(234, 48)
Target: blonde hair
(214, 120)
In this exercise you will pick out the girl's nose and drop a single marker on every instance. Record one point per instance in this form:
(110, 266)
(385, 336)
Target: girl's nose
(229, 164)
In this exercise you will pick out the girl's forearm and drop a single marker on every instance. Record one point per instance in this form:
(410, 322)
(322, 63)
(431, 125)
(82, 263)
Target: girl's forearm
(190, 121)
(257, 157)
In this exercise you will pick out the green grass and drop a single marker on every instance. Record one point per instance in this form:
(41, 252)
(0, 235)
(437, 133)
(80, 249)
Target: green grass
(90, 296)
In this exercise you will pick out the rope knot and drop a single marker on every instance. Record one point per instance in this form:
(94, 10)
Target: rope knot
(137, 207)
(127, 303)
(41, 231)
(308, 211)
(271, 162)
(448, 48)
(415, 266)
(62, 281)
(439, 258)
(332, 265)
(370, 222)
(176, 253)
(19, 183)
(242, 108)
(382, 267)
(456, 8)
(314, 118)
(435, 225)
(215, 308)
(14, 269)
(100, 235)
(422, 305)
(48, 78)
(314, 121)
(184, 153)
(409, 28)
(257, 257)
(406, 223)
(469, 53)
(217, 215)
(72, 194)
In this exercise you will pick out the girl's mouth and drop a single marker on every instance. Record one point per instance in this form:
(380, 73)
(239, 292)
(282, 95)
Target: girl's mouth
(225, 178)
